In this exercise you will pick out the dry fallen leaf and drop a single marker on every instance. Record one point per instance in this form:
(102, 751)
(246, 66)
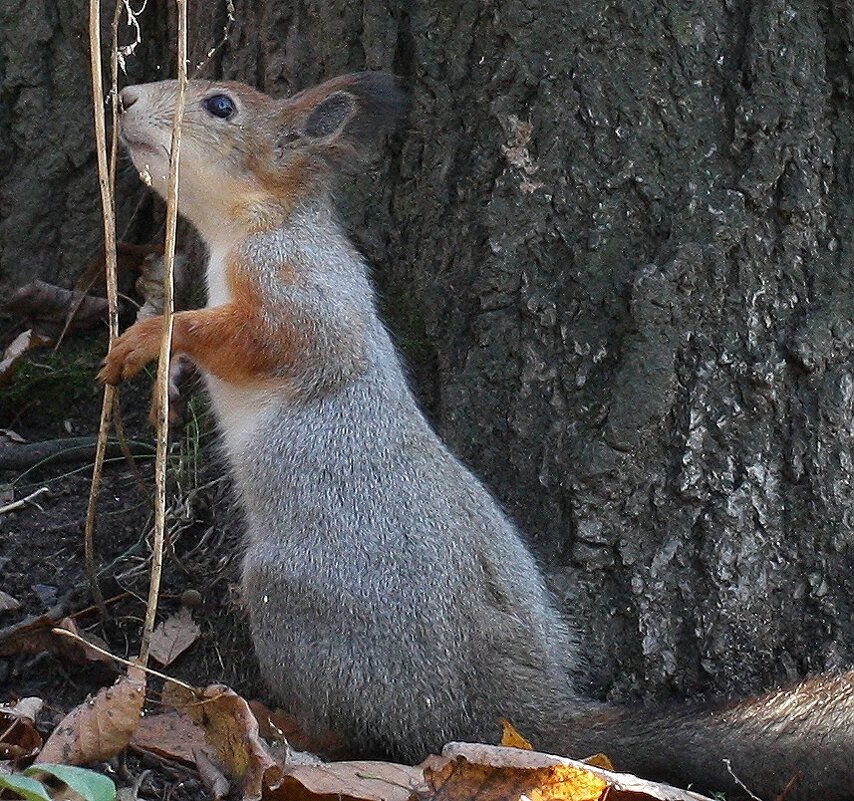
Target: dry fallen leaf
(30, 636)
(19, 739)
(232, 732)
(494, 773)
(101, 727)
(35, 635)
(26, 340)
(79, 651)
(211, 776)
(174, 636)
(347, 781)
(172, 735)
(510, 737)
(509, 776)
(599, 761)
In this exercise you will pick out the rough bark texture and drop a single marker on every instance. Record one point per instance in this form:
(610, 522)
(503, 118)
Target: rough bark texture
(616, 242)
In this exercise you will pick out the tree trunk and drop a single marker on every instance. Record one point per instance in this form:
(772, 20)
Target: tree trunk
(615, 242)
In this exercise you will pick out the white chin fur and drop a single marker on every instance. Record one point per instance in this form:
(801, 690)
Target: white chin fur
(153, 168)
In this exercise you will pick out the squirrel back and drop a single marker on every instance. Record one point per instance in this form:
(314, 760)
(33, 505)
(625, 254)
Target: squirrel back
(391, 600)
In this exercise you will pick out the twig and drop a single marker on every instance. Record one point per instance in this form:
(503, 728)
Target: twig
(44, 305)
(124, 445)
(226, 32)
(121, 660)
(114, 107)
(109, 601)
(94, 488)
(10, 507)
(790, 786)
(171, 767)
(49, 619)
(58, 611)
(133, 24)
(161, 392)
(109, 215)
(738, 781)
(27, 455)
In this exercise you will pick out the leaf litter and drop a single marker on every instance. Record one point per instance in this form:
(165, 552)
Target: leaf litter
(217, 732)
(99, 728)
(173, 636)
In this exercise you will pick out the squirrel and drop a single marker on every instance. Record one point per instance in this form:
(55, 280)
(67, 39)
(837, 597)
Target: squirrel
(391, 600)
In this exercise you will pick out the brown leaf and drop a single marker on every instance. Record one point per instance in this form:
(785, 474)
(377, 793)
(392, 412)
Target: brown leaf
(510, 737)
(509, 778)
(493, 773)
(78, 651)
(211, 776)
(19, 739)
(172, 735)
(101, 727)
(174, 636)
(35, 635)
(232, 732)
(347, 781)
(30, 636)
(26, 340)
(599, 761)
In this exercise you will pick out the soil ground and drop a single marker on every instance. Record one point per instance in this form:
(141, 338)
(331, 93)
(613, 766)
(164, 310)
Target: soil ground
(41, 546)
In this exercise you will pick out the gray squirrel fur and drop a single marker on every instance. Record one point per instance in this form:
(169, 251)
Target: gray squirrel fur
(391, 599)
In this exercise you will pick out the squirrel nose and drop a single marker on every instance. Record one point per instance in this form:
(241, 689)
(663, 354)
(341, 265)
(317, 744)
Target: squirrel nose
(127, 97)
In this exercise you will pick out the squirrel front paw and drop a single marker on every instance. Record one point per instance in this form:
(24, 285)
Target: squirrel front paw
(138, 346)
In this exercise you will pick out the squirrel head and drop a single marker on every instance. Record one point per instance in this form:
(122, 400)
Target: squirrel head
(248, 159)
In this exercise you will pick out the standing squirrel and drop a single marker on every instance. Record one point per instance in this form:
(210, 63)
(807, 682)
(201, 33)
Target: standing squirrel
(391, 599)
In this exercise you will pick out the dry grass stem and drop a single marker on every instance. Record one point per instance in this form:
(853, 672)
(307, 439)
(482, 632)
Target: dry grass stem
(161, 392)
(121, 660)
(230, 16)
(109, 215)
(10, 507)
(121, 53)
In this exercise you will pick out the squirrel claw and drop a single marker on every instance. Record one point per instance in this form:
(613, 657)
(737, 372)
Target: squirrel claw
(106, 376)
(129, 354)
(110, 372)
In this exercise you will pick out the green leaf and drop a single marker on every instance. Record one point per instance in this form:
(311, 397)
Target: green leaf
(92, 786)
(24, 786)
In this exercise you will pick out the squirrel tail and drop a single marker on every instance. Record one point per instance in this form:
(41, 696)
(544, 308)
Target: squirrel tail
(795, 743)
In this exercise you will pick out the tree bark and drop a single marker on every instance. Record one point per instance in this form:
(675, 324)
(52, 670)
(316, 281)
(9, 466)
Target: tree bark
(615, 241)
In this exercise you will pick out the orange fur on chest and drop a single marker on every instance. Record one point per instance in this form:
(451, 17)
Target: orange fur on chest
(247, 342)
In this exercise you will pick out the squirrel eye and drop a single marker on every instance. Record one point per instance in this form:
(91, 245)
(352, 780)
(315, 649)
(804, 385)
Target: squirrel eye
(221, 106)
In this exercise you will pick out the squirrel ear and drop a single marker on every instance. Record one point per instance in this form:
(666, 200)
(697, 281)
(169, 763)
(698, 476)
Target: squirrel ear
(351, 110)
(330, 115)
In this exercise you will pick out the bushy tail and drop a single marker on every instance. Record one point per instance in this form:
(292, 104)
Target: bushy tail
(796, 744)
